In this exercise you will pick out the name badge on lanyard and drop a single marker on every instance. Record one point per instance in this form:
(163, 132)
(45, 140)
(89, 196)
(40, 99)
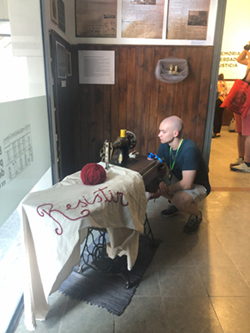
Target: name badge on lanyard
(171, 165)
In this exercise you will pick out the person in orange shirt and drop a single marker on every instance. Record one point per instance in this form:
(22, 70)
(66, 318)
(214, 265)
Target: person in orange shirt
(218, 114)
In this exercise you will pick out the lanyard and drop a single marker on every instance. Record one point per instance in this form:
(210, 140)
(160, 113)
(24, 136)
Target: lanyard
(171, 166)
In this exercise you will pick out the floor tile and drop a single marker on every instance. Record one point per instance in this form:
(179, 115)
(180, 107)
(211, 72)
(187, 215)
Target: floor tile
(52, 324)
(245, 272)
(149, 285)
(239, 253)
(181, 281)
(223, 281)
(233, 313)
(82, 317)
(190, 315)
(209, 251)
(144, 314)
(169, 254)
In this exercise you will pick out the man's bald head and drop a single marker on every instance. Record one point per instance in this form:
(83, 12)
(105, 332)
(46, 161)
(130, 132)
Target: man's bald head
(175, 123)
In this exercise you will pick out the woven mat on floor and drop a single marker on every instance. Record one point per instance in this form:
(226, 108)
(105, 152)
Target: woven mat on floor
(109, 291)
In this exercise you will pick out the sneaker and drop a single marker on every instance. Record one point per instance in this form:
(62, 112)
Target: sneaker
(238, 161)
(192, 224)
(170, 211)
(240, 168)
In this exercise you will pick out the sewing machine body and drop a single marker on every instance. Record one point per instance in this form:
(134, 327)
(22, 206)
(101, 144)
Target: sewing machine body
(118, 152)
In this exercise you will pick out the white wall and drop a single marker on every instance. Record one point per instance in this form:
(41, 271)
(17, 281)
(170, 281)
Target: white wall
(236, 35)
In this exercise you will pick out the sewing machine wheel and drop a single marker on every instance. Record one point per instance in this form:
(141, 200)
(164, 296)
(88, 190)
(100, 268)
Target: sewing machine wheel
(132, 139)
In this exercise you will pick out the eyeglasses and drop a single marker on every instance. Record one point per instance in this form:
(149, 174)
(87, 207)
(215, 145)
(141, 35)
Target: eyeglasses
(154, 157)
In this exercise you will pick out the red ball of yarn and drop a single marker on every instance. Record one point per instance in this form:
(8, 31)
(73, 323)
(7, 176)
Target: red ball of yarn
(93, 174)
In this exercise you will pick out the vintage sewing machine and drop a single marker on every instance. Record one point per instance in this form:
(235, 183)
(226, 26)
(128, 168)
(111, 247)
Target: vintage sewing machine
(118, 152)
(121, 153)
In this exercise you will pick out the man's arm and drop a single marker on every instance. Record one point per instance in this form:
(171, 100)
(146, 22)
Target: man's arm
(188, 177)
(186, 183)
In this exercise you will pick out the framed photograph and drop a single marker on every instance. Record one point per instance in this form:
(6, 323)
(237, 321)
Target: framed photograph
(188, 19)
(68, 63)
(61, 15)
(61, 61)
(54, 11)
(142, 18)
(95, 18)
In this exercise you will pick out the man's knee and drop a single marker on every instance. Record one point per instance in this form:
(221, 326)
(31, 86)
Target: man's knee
(182, 200)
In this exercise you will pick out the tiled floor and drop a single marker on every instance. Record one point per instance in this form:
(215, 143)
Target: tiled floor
(195, 284)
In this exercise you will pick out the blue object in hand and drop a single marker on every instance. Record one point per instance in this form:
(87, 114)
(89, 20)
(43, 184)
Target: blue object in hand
(152, 156)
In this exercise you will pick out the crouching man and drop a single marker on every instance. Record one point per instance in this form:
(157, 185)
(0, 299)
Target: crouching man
(186, 182)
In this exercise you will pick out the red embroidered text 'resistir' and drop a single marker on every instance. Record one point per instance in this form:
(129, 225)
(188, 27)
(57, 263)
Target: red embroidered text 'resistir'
(99, 196)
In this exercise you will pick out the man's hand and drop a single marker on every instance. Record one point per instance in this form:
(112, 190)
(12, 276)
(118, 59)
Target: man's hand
(164, 188)
(155, 195)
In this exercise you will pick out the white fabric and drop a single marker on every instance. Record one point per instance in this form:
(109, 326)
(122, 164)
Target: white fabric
(55, 221)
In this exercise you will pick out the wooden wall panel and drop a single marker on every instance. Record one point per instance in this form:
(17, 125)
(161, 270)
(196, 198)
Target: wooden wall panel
(137, 101)
(122, 97)
(145, 119)
(131, 75)
(115, 98)
(140, 95)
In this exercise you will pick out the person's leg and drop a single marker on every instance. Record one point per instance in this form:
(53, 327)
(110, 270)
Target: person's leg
(247, 149)
(221, 117)
(241, 145)
(185, 203)
(245, 166)
(240, 141)
(217, 117)
(180, 202)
